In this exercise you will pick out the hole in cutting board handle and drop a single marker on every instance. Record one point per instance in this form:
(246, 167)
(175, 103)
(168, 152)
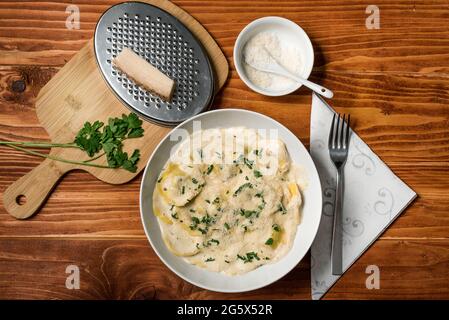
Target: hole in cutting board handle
(21, 199)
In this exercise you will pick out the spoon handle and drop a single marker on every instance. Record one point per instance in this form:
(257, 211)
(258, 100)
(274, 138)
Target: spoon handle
(315, 87)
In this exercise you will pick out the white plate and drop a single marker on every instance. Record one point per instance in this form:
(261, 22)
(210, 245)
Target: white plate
(260, 277)
(288, 32)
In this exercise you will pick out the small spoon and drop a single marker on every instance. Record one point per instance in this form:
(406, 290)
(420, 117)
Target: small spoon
(275, 68)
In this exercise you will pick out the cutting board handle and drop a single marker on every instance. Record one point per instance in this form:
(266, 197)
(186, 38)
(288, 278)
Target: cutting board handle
(25, 196)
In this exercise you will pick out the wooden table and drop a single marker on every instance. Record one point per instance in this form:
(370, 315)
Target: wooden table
(394, 81)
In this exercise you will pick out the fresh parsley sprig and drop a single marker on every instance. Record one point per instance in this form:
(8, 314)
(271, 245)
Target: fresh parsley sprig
(94, 138)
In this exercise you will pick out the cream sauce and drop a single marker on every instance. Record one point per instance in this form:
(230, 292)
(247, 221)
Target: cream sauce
(231, 202)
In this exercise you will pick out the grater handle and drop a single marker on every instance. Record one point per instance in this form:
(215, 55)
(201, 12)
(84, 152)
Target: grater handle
(26, 195)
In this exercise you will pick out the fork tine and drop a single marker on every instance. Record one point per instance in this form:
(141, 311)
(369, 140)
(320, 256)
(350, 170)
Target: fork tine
(331, 134)
(347, 131)
(337, 133)
(342, 131)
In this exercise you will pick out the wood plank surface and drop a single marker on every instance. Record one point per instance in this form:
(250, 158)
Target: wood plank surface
(36, 270)
(413, 35)
(394, 81)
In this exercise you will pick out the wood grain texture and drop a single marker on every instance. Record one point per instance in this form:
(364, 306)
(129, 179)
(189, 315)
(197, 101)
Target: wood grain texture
(413, 37)
(36, 270)
(394, 81)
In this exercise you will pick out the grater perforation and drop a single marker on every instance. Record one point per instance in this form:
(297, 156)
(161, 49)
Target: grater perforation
(168, 45)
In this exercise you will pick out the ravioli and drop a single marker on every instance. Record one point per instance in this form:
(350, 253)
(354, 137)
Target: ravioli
(232, 203)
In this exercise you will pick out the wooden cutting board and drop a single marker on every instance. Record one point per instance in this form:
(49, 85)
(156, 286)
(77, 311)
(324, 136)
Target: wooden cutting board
(78, 93)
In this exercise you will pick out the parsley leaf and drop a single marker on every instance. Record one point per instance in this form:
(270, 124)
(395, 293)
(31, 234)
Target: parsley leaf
(92, 141)
(89, 138)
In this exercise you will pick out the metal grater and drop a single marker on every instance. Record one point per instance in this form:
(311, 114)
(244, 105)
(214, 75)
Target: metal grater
(168, 45)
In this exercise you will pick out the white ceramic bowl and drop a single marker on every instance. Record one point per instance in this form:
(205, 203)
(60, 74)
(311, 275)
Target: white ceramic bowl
(287, 31)
(311, 210)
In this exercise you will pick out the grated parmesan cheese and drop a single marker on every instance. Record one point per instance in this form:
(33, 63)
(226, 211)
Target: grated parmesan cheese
(286, 54)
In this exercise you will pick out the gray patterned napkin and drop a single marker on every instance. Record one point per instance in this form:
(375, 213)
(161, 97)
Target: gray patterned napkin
(374, 198)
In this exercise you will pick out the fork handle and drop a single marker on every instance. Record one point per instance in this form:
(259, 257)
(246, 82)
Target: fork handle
(337, 232)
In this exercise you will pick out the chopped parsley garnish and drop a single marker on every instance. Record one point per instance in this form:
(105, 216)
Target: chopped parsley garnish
(209, 260)
(281, 208)
(183, 190)
(217, 200)
(239, 159)
(243, 186)
(194, 181)
(248, 213)
(258, 152)
(195, 223)
(257, 174)
(196, 220)
(174, 215)
(248, 163)
(210, 168)
(276, 227)
(269, 242)
(209, 243)
(227, 226)
(249, 257)
(207, 219)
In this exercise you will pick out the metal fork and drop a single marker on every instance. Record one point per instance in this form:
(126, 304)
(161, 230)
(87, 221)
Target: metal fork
(338, 151)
